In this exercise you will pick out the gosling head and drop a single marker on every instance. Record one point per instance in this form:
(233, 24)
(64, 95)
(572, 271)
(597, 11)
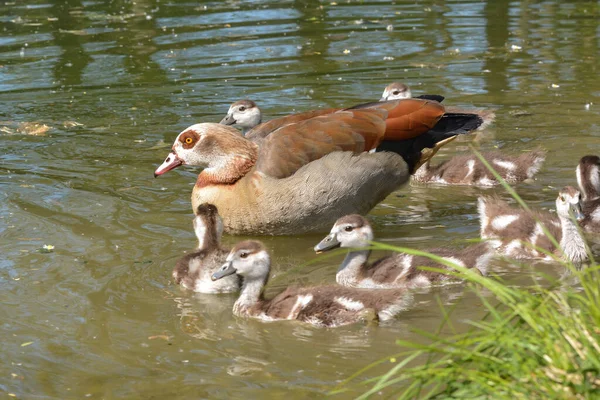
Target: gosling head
(395, 91)
(588, 176)
(349, 231)
(208, 226)
(207, 145)
(568, 203)
(244, 114)
(249, 259)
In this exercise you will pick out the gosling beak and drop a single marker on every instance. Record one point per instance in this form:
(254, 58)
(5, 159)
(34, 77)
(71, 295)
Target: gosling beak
(228, 120)
(226, 270)
(383, 99)
(330, 242)
(171, 162)
(577, 211)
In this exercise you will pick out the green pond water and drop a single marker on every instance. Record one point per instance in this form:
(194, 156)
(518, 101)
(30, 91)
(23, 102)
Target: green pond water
(92, 95)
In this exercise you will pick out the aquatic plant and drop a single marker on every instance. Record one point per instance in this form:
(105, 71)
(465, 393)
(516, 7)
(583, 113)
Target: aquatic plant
(534, 342)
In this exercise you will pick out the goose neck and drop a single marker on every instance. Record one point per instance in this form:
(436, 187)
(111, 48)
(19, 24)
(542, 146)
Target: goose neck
(349, 271)
(251, 294)
(572, 243)
(228, 172)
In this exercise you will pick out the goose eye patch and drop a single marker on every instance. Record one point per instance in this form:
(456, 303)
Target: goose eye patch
(188, 139)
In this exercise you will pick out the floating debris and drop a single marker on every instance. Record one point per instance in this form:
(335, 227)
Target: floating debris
(244, 366)
(346, 51)
(71, 124)
(519, 113)
(164, 337)
(515, 48)
(26, 128)
(47, 248)
(554, 86)
(80, 32)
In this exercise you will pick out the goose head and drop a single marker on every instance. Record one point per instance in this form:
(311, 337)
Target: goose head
(350, 231)
(208, 145)
(208, 226)
(395, 91)
(568, 203)
(249, 259)
(243, 113)
(588, 177)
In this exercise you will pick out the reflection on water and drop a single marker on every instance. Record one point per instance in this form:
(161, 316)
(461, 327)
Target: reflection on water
(113, 83)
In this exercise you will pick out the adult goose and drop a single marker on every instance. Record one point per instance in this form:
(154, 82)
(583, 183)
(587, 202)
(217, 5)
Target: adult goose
(304, 175)
(327, 306)
(194, 270)
(588, 178)
(398, 270)
(460, 170)
(399, 90)
(469, 170)
(520, 233)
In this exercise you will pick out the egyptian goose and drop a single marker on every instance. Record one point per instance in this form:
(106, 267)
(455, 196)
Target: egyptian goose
(194, 270)
(588, 178)
(519, 233)
(469, 170)
(304, 175)
(396, 271)
(244, 114)
(399, 90)
(326, 306)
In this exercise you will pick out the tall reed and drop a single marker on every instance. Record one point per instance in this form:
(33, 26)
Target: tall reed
(536, 342)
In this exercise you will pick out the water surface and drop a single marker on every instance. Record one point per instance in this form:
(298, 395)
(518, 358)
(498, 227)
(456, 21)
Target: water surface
(93, 94)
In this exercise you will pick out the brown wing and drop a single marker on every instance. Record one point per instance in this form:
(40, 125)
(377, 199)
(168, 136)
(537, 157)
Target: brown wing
(285, 151)
(268, 127)
(409, 118)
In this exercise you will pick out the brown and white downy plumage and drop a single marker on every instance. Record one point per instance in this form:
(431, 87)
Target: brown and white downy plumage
(194, 271)
(327, 306)
(293, 177)
(399, 90)
(244, 114)
(469, 170)
(398, 270)
(588, 178)
(519, 232)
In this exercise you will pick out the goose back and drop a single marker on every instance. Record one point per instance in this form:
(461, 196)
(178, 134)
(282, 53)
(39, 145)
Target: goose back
(403, 270)
(194, 270)
(469, 170)
(516, 227)
(331, 306)
(591, 212)
(519, 233)
(588, 178)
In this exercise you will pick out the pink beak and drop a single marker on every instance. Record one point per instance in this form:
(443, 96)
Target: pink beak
(171, 162)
